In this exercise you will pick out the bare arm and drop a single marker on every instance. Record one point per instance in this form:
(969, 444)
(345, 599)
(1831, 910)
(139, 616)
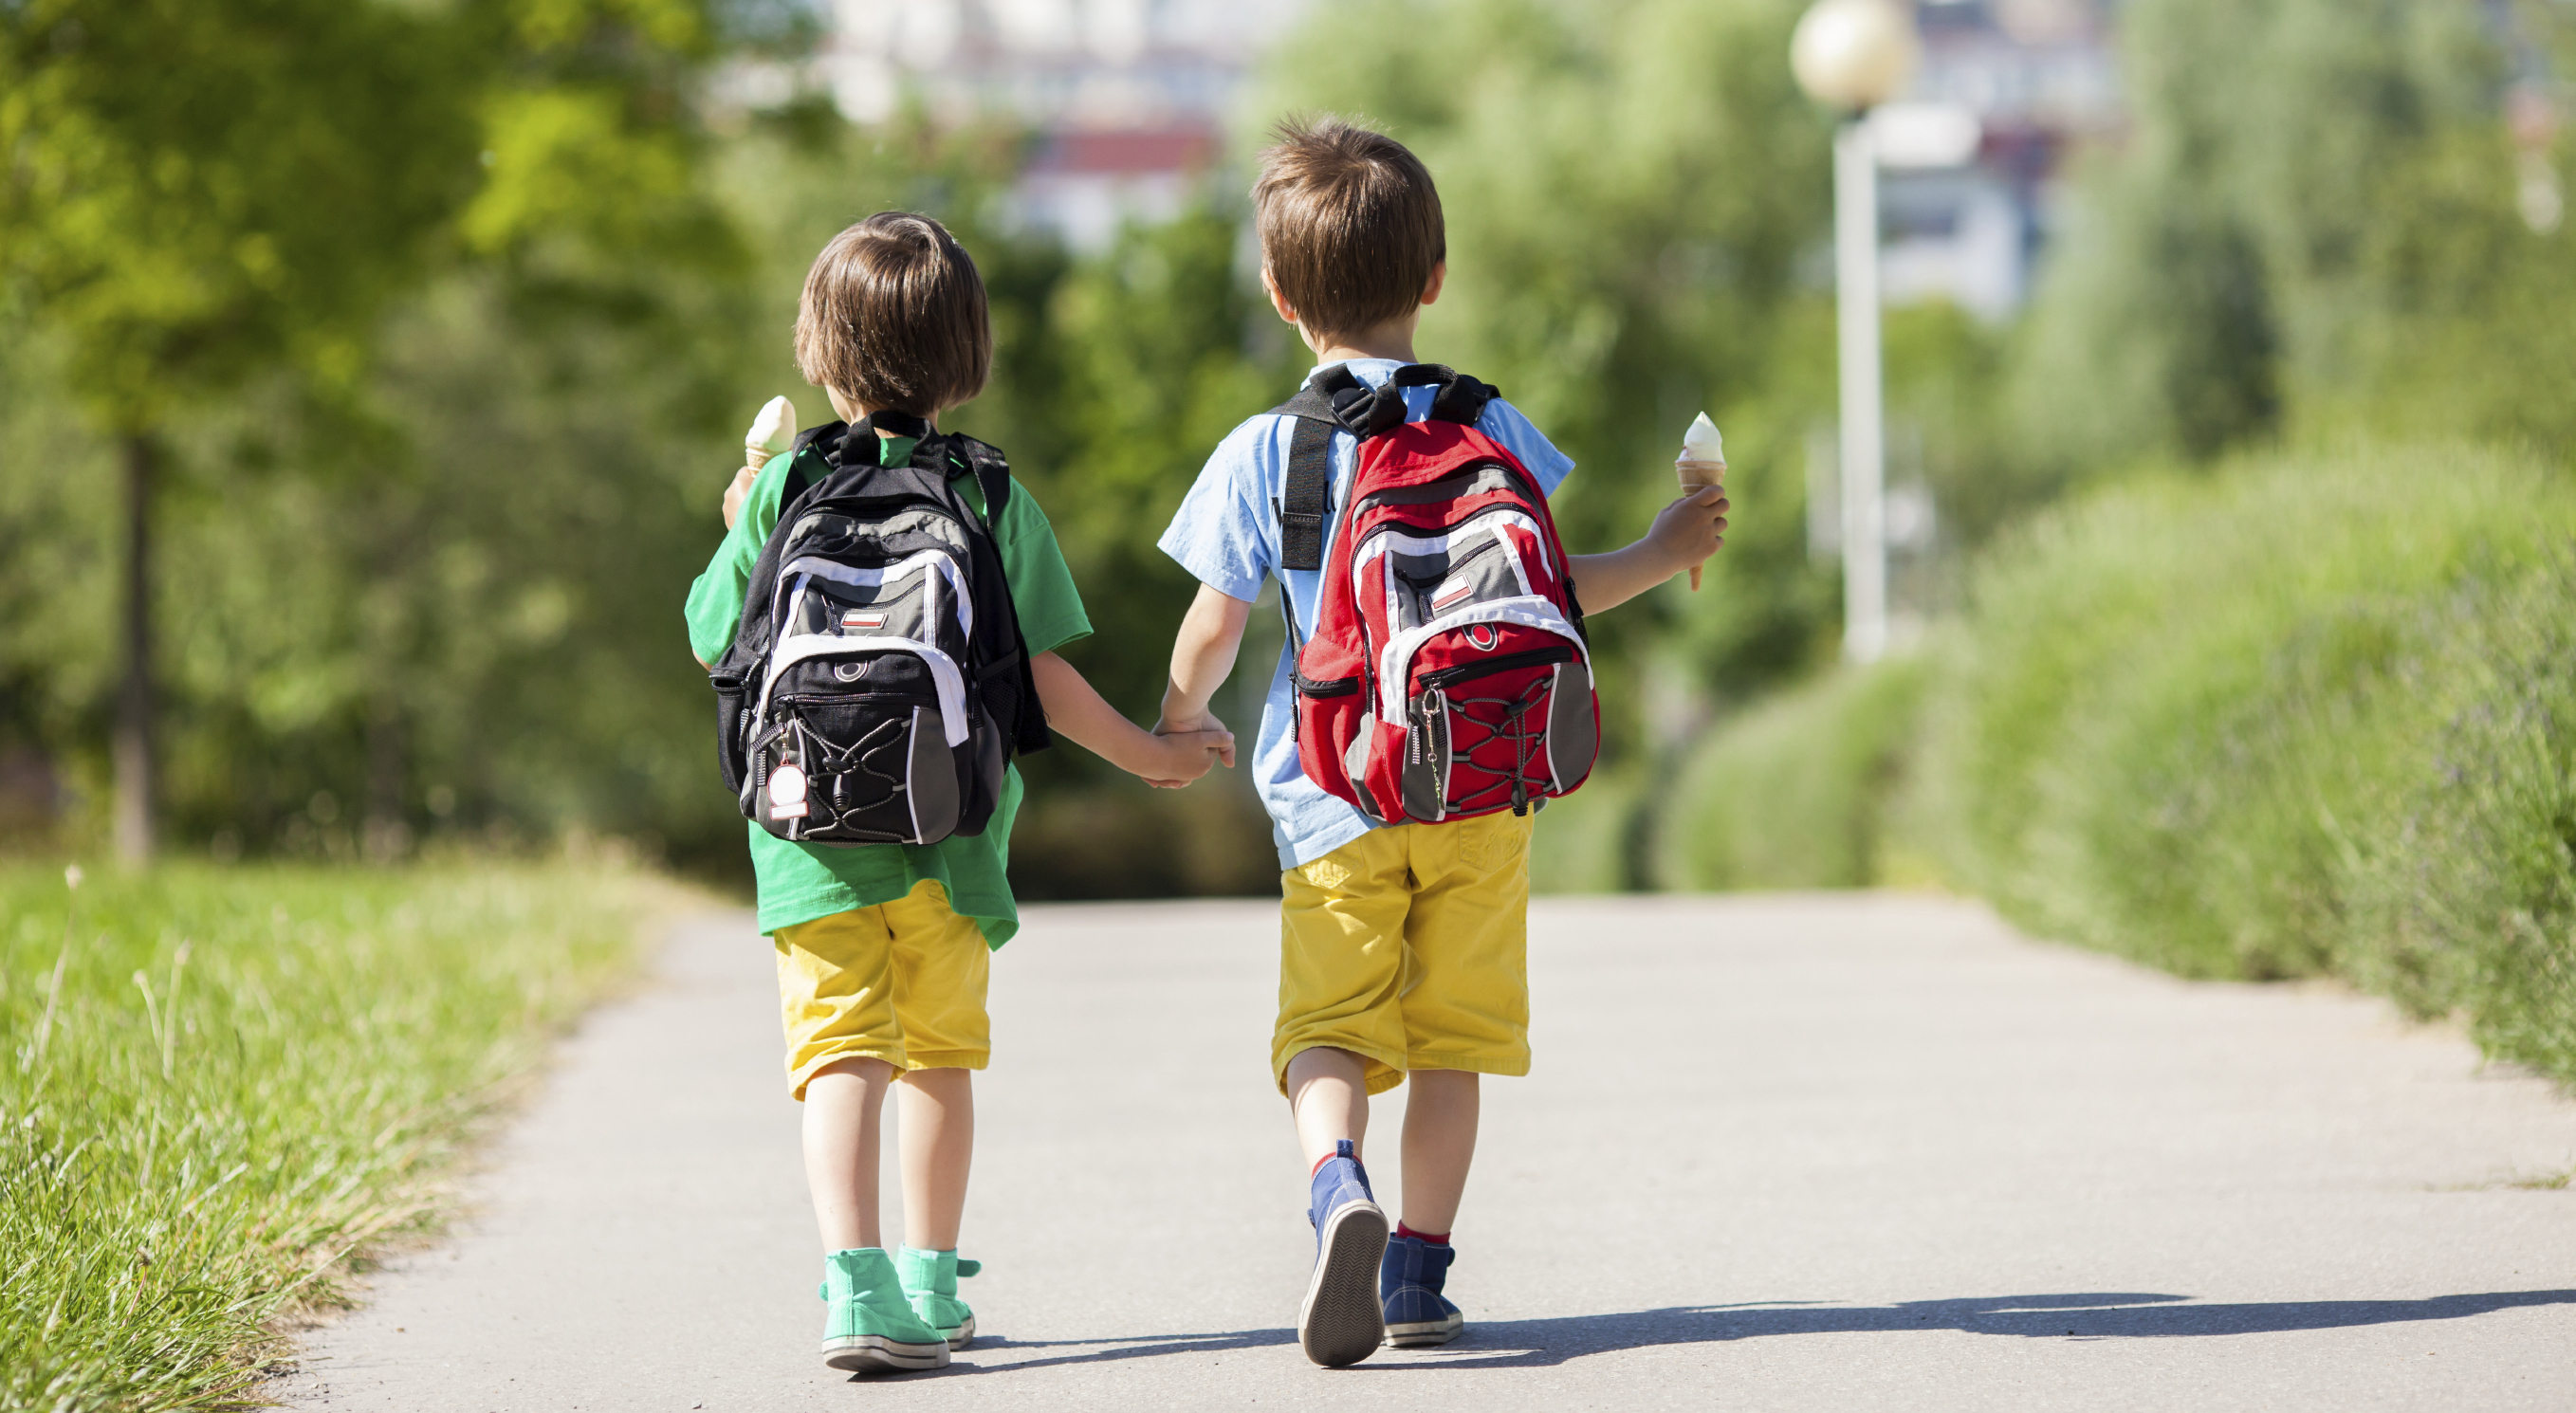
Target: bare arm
(1684, 535)
(1202, 655)
(1079, 714)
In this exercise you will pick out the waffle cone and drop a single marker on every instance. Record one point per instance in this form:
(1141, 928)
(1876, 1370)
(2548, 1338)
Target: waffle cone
(1698, 475)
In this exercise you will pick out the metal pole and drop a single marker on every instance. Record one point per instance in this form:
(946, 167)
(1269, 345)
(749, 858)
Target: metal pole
(1864, 455)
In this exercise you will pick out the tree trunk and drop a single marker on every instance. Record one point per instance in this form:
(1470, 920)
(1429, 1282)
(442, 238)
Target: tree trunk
(133, 743)
(388, 837)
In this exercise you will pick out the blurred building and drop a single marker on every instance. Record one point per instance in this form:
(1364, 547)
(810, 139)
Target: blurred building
(1129, 96)
(1975, 151)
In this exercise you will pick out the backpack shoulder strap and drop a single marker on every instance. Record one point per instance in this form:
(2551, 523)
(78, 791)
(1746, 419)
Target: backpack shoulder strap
(1337, 401)
(1333, 401)
(992, 472)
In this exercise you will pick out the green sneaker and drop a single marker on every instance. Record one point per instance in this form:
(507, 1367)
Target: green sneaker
(870, 1327)
(930, 1281)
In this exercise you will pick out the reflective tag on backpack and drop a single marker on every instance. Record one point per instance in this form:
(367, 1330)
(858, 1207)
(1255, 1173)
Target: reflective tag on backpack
(787, 792)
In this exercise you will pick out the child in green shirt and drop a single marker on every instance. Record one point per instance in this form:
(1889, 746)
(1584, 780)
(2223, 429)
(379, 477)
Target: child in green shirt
(882, 949)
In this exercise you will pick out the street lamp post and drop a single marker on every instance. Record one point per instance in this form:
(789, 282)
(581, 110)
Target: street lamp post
(1854, 55)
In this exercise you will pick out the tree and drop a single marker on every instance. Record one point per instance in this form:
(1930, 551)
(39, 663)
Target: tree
(2310, 227)
(192, 224)
(204, 194)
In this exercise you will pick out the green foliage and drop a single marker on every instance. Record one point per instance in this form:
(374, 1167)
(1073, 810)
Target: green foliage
(2311, 714)
(218, 1083)
(2312, 226)
(192, 223)
(1794, 791)
(419, 581)
(1583, 841)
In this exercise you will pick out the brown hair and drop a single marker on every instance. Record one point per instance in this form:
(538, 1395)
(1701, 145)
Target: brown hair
(894, 317)
(1350, 223)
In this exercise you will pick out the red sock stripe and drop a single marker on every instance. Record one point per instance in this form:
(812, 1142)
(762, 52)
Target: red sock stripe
(1441, 1240)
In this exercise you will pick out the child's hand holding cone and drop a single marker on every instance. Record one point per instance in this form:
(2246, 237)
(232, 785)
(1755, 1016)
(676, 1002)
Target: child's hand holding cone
(772, 432)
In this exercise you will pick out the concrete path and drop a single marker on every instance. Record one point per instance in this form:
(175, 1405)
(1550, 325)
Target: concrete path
(1849, 1152)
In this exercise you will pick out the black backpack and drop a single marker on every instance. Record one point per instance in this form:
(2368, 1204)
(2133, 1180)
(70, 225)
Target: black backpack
(878, 683)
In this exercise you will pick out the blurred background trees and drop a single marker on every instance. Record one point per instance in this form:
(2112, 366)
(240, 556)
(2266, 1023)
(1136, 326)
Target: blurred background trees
(441, 322)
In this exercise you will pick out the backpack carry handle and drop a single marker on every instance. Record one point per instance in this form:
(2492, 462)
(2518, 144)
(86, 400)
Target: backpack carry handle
(1337, 401)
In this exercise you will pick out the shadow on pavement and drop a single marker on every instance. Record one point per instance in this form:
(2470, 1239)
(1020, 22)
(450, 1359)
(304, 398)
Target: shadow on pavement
(2094, 1315)
(2099, 1315)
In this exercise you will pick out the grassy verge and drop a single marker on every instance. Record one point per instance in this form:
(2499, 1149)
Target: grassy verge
(1793, 792)
(218, 1083)
(2312, 714)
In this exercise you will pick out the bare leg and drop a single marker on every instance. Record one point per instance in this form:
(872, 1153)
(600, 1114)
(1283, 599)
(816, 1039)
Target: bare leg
(843, 1102)
(1439, 1143)
(938, 1144)
(1328, 1096)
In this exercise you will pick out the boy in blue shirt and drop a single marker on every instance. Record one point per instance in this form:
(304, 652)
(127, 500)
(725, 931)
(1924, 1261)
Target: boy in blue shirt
(1402, 946)
(882, 949)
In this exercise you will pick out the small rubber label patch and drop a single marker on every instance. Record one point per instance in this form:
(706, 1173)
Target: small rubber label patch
(787, 792)
(1452, 594)
(859, 620)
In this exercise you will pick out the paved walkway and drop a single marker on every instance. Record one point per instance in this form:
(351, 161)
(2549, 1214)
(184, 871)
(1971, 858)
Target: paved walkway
(1849, 1152)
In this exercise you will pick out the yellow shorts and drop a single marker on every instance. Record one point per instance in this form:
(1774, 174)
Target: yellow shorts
(901, 982)
(1409, 947)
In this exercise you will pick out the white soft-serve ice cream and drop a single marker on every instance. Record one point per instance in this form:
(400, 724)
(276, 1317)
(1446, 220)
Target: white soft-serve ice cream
(772, 432)
(1701, 464)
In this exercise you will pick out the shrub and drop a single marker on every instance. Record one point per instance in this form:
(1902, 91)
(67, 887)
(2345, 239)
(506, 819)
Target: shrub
(2312, 713)
(1792, 793)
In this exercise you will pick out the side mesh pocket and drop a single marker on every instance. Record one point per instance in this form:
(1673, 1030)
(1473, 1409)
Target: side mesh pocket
(732, 730)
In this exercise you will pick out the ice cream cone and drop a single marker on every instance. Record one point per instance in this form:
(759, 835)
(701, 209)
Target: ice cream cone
(772, 432)
(1702, 464)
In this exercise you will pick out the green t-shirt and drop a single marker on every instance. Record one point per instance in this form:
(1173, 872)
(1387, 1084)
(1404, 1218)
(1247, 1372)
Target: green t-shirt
(801, 882)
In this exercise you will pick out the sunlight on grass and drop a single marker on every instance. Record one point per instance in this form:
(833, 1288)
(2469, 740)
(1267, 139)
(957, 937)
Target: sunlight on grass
(218, 1083)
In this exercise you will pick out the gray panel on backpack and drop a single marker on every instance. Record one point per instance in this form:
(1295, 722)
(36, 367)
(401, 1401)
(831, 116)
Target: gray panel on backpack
(1573, 732)
(1429, 585)
(1355, 765)
(931, 781)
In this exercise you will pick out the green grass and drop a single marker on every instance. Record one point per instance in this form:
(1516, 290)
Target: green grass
(2307, 714)
(1793, 792)
(218, 1084)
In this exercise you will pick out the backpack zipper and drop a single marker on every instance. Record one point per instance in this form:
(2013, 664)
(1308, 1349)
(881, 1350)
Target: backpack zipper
(1444, 678)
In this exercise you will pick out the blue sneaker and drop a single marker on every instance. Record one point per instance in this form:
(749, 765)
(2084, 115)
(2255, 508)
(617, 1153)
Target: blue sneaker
(1409, 1281)
(1342, 1321)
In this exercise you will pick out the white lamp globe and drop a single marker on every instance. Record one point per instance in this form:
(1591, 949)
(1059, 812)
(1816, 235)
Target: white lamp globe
(1854, 54)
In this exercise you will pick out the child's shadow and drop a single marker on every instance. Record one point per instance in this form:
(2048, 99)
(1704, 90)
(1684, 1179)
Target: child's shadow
(2094, 1315)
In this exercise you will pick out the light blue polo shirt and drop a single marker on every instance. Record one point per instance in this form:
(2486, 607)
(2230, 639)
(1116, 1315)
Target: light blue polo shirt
(1227, 533)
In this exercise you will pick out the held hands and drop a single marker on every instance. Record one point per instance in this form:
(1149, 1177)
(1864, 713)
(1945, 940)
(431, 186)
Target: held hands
(1188, 749)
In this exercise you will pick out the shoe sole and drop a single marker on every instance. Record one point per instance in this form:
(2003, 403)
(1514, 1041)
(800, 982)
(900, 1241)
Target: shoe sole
(1425, 1333)
(1341, 1322)
(964, 1336)
(876, 1354)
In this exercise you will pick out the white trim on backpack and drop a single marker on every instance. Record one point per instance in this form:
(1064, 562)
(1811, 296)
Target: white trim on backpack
(1382, 541)
(944, 674)
(821, 568)
(1395, 661)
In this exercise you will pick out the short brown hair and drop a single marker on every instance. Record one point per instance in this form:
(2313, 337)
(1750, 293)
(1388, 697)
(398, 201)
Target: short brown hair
(894, 317)
(1350, 223)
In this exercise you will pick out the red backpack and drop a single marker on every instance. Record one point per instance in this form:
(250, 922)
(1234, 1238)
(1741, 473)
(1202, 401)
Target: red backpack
(1448, 675)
